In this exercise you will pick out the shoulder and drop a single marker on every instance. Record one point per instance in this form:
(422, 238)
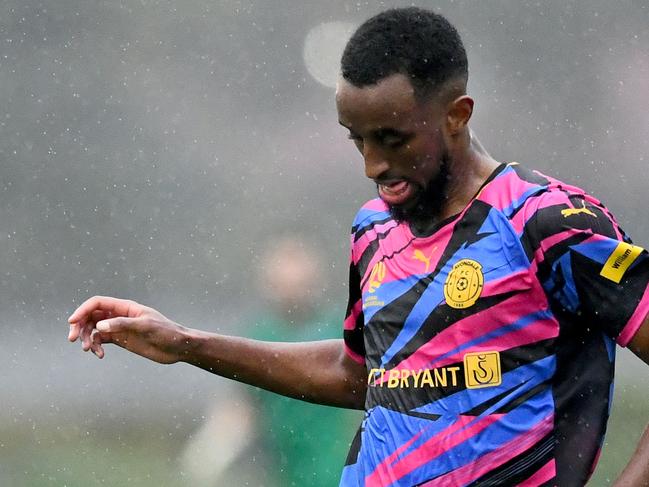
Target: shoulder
(561, 215)
(519, 193)
(564, 206)
(373, 212)
(512, 187)
(372, 223)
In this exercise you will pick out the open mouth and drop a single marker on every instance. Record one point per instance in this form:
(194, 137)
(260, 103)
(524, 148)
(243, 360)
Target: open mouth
(396, 193)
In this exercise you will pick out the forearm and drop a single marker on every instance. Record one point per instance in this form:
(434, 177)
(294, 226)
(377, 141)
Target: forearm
(636, 473)
(318, 372)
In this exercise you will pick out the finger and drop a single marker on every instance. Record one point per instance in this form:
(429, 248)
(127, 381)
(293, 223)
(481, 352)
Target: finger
(99, 315)
(96, 342)
(95, 316)
(74, 332)
(116, 325)
(104, 338)
(116, 306)
(85, 337)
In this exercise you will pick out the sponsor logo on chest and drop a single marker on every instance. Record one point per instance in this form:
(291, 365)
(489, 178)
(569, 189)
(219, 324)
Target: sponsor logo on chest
(481, 369)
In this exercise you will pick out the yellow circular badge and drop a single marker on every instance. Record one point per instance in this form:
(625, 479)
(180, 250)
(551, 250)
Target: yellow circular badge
(464, 284)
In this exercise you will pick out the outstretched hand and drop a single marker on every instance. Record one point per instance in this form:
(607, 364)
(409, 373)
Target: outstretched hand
(130, 325)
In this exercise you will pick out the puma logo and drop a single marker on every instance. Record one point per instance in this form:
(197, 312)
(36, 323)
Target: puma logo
(575, 211)
(419, 255)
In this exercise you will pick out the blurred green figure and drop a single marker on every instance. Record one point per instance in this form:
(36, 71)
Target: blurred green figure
(305, 444)
(258, 438)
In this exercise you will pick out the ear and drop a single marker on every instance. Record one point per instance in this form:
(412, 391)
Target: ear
(458, 114)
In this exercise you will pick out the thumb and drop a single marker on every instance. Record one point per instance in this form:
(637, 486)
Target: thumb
(115, 325)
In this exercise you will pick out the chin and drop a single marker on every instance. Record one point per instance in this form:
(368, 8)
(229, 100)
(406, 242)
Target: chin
(423, 207)
(405, 214)
(411, 210)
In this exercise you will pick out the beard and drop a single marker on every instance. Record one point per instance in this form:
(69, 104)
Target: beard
(421, 213)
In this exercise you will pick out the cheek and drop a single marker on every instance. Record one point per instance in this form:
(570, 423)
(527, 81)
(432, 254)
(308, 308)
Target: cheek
(428, 145)
(429, 157)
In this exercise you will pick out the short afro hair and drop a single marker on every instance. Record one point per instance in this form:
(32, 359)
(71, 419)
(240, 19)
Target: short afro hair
(417, 43)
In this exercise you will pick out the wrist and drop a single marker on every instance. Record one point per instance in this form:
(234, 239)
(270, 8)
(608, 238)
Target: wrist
(191, 341)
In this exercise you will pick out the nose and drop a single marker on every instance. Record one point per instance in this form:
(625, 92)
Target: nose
(375, 162)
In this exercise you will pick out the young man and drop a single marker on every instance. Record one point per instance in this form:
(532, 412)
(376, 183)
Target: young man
(485, 298)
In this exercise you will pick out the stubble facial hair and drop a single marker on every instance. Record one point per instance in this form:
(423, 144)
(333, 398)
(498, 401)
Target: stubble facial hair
(422, 214)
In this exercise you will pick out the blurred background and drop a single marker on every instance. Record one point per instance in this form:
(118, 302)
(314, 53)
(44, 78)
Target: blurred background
(157, 150)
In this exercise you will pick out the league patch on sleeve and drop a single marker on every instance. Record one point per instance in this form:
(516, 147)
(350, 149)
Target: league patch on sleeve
(619, 261)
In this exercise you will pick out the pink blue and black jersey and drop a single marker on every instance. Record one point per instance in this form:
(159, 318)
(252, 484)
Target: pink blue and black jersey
(490, 344)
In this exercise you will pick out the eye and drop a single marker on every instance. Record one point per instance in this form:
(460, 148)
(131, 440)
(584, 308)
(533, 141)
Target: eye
(393, 141)
(357, 139)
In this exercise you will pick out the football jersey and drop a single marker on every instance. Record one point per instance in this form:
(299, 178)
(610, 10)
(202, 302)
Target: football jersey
(490, 343)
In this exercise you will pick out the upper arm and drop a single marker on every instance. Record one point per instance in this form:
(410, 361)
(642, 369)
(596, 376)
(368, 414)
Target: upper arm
(586, 263)
(356, 380)
(352, 358)
(353, 326)
(332, 377)
(639, 344)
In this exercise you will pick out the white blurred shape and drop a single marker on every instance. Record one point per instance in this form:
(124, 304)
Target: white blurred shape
(219, 442)
(323, 46)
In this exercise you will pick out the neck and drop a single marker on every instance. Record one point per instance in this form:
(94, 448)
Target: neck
(467, 167)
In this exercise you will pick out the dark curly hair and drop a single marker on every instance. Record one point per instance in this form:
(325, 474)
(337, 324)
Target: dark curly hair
(411, 41)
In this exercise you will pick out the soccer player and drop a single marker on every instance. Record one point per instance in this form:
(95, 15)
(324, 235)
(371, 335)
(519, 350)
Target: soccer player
(485, 298)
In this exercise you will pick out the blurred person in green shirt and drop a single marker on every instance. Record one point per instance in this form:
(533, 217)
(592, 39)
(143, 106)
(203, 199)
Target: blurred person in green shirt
(305, 443)
(262, 438)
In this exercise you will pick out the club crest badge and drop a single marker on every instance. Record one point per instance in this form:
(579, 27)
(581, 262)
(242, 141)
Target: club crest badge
(464, 284)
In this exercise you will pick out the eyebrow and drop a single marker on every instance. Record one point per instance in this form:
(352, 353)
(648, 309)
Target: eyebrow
(387, 132)
(381, 132)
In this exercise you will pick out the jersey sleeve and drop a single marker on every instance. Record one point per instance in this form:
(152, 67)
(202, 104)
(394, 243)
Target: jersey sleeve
(586, 264)
(353, 325)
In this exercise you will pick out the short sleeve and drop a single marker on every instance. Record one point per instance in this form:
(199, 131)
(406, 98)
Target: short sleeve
(353, 325)
(586, 264)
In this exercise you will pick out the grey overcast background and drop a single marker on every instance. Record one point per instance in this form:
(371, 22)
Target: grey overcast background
(153, 149)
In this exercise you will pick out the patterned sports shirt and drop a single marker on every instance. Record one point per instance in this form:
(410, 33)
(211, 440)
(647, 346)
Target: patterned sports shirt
(490, 344)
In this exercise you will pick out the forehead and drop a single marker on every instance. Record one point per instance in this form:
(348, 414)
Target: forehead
(388, 103)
